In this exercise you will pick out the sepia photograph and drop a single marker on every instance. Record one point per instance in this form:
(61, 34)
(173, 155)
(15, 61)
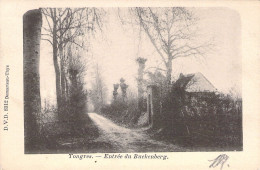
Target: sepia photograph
(132, 80)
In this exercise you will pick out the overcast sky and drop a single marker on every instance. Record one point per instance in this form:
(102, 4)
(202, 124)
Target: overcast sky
(118, 47)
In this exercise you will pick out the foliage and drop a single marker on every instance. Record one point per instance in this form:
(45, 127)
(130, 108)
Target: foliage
(73, 131)
(203, 119)
(57, 135)
(77, 102)
(70, 126)
(123, 112)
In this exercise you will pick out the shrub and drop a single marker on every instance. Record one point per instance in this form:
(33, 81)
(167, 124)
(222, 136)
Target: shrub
(203, 119)
(124, 113)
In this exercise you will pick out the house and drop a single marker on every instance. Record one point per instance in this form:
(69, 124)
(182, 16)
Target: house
(195, 88)
(193, 83)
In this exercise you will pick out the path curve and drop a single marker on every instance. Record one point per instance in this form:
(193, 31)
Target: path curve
(128, 140)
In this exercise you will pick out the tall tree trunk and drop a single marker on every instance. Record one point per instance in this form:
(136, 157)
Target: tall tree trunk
(67, 88)
(62, 66)
(56, 65)
(169, 74)
(32, 22)
(57, 75)
(63, 88)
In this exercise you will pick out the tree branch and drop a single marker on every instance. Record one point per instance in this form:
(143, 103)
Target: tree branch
(47, 40)
(45, 15)
(150, 37)
(157, 68)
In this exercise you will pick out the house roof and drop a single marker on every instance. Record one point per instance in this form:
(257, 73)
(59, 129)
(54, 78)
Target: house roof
(196, 82)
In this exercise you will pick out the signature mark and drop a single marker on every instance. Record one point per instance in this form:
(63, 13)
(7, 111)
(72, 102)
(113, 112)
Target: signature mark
(220, 160)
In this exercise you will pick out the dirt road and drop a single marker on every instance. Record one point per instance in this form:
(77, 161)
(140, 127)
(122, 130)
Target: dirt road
(127, 140)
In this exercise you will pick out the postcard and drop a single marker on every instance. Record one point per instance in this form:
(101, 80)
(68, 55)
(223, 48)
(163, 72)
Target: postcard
(130, 85)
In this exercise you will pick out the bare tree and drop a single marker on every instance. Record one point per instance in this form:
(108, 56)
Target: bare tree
(32, 23)
(66, 26)
(172, 33)
(98, 92)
